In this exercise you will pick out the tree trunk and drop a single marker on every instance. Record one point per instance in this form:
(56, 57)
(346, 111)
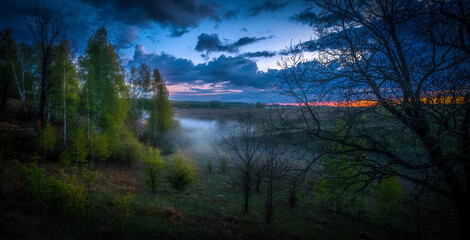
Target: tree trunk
(42, 98)
(247, 198)
(65, 112)
(269, 207)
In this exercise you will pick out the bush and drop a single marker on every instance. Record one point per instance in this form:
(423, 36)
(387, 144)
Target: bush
(54, 194)
(77, 151)
(181, 172)
(47, 139)
(153, 166)
(127, 148)
(123, 208)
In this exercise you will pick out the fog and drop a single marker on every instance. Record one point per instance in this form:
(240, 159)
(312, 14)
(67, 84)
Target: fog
(201, 137)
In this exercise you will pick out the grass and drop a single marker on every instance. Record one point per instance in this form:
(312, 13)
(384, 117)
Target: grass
(212, 208)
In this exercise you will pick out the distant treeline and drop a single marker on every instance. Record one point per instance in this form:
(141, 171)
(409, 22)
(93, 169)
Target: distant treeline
(214, 104)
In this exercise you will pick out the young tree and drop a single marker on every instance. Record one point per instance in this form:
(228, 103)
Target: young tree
(161, 118)
(65, 94)
(141, 87)
(104, 93)
(47, 139)
(276, 173)
(243, 143)
(379, 56)
(389, 197)
(8, 58)
(47, 31)
(77, 150)
(153, 166)
(181, 173)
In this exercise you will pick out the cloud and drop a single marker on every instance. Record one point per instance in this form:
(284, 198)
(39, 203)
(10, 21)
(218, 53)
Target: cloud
(309, 18)
(180, 15)
(234, 72)
(211, 43)
(265, 54)
(178, 31)
(126, 37)
(306, 17)
(267, 5)
(174, 69)
(230, 14)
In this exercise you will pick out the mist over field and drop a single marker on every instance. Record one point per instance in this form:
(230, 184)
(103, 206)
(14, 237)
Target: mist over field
(199, 136)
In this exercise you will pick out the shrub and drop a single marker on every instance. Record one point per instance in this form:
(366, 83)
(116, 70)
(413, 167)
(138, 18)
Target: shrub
(53, 193)
(77, 151)
(89, 177)
(47, 139)
(123, 208)
(153, 166)
(127, 148)
(181, 172)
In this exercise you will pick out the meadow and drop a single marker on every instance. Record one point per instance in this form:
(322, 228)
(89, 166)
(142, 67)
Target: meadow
(211, 208)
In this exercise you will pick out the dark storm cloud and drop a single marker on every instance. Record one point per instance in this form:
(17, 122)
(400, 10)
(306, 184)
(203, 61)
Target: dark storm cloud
(268, 5)
(211, 43)
(172, 68)
(126, 37)
(306, 17)
(309, 18)
(77, 17)
(237, 71)
(178, 31)
(182, 13)
(265, 54)
(230, 14)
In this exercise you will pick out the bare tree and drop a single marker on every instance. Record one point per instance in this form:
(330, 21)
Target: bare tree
(379, 60)
(243, 143)
(276, 173)
(47, 31)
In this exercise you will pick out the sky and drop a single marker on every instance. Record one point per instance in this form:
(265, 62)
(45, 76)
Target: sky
(205, 49)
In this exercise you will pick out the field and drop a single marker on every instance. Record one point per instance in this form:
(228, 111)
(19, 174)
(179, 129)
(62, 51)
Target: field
(212, 208)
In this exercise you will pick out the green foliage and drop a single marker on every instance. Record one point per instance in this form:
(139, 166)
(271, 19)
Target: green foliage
(153, 166)
(89, 177)
(66, 156)
(343, 177)
(389, 198)
(77, 151)
(181, 172)
(100, 147)
(161, 117)
(104, 94)
(55, 194)
(127, 148)
(123, 208)
(363, 119)
(47, 138)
